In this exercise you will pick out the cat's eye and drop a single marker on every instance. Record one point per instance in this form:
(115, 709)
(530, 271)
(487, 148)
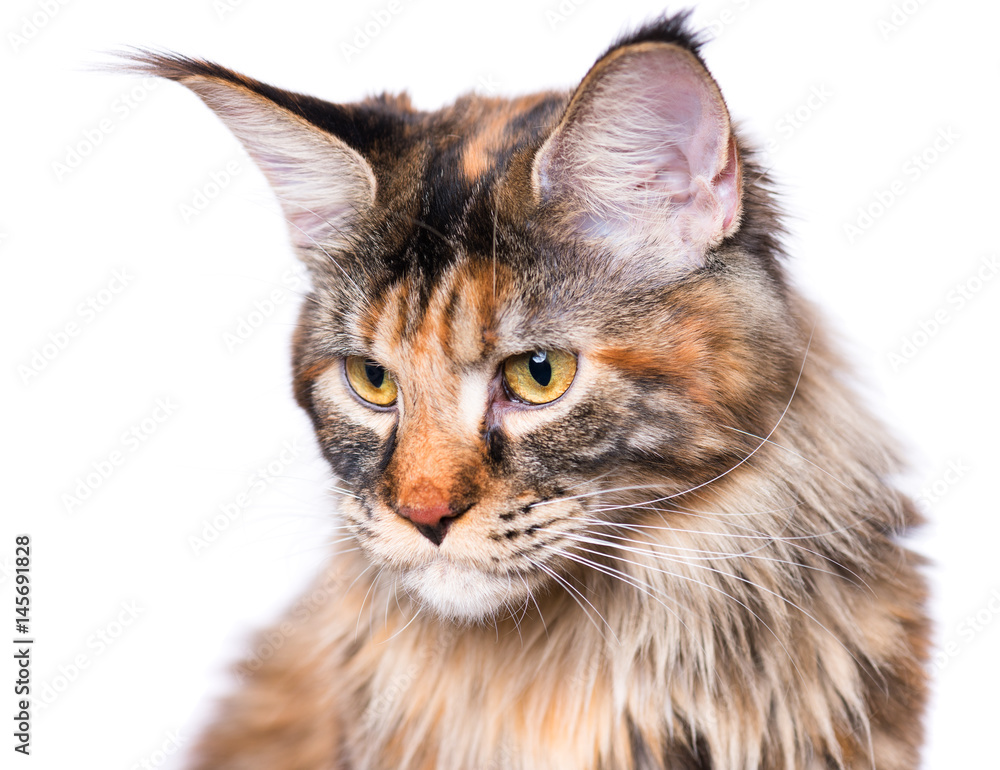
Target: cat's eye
(370, 381)
(540, 376)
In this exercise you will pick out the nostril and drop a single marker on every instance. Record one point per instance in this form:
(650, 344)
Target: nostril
(435, 532)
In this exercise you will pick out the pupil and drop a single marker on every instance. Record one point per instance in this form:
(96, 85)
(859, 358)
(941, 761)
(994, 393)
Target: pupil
(375, 374)
(540, 368)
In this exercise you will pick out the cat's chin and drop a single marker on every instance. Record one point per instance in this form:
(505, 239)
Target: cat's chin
(459, 593)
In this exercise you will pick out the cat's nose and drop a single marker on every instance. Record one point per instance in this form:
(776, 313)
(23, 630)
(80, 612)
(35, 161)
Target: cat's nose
(429, 515)
(432, 521)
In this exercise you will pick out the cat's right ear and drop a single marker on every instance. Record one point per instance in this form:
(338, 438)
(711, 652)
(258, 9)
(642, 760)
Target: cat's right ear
(323, 184)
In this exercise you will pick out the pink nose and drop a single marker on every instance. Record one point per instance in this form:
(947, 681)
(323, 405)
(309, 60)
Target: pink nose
(426, 515)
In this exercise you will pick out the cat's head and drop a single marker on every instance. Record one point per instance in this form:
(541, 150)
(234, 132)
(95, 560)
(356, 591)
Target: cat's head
(526, 313)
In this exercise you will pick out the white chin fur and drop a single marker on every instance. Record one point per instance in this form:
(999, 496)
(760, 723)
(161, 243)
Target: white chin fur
(458, 593)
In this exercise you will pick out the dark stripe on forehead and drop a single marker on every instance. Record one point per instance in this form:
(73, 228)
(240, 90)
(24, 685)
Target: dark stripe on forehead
(478, 135)
(446, 191)
(444, 200)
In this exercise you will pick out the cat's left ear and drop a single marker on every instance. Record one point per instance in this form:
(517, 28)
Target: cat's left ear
(645, 154)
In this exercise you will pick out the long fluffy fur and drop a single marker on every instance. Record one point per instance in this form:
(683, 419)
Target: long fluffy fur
(699, 550)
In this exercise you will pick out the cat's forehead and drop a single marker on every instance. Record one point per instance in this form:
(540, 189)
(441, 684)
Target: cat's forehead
(451, 178)
(467, 314)
(487, 130)
(455, 275)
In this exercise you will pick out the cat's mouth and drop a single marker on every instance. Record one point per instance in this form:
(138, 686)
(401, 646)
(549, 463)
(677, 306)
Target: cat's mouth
(481, 569)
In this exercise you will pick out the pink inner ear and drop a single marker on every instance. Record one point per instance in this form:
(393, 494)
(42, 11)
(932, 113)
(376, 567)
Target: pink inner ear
(646, 145)
(321, 185)
(320, 182)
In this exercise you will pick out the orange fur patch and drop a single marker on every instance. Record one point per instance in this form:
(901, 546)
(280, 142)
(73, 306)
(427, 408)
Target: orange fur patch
(491, 126)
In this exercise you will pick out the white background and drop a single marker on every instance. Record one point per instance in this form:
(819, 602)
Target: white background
(892, 75)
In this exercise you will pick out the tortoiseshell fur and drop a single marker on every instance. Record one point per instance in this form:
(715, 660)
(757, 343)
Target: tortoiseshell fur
(695, 549)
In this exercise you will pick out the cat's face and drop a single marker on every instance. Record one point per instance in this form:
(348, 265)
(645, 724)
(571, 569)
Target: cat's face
(528, 316)
(476, 418)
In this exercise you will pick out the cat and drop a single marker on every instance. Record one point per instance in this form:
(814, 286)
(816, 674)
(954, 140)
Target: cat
(611, 498)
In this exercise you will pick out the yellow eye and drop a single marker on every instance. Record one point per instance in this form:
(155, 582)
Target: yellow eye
(370, 381)
(540, 376)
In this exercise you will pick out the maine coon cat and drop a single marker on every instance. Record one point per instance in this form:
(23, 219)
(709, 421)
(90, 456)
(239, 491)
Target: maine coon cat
(614, 503)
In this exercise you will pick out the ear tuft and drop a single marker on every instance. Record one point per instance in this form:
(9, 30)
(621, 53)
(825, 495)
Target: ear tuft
(323, 184)
(645, 154)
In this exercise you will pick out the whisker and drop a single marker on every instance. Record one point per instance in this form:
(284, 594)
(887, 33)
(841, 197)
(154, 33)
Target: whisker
(344, 492)
(750, 583)
(415, 616)
(592, 493)
(653, 547)
(495, 298)
(758, 536)
(361, 609)
(430, 229)
(573, 593)
(724, 473)
(388, 600)
(713, 588)
(512, 613)
(790, 541)
(694, 511)
(533, 600)
(781, 417)
(362, 296)
(791, 452)
(627, 579)
(589, 481)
